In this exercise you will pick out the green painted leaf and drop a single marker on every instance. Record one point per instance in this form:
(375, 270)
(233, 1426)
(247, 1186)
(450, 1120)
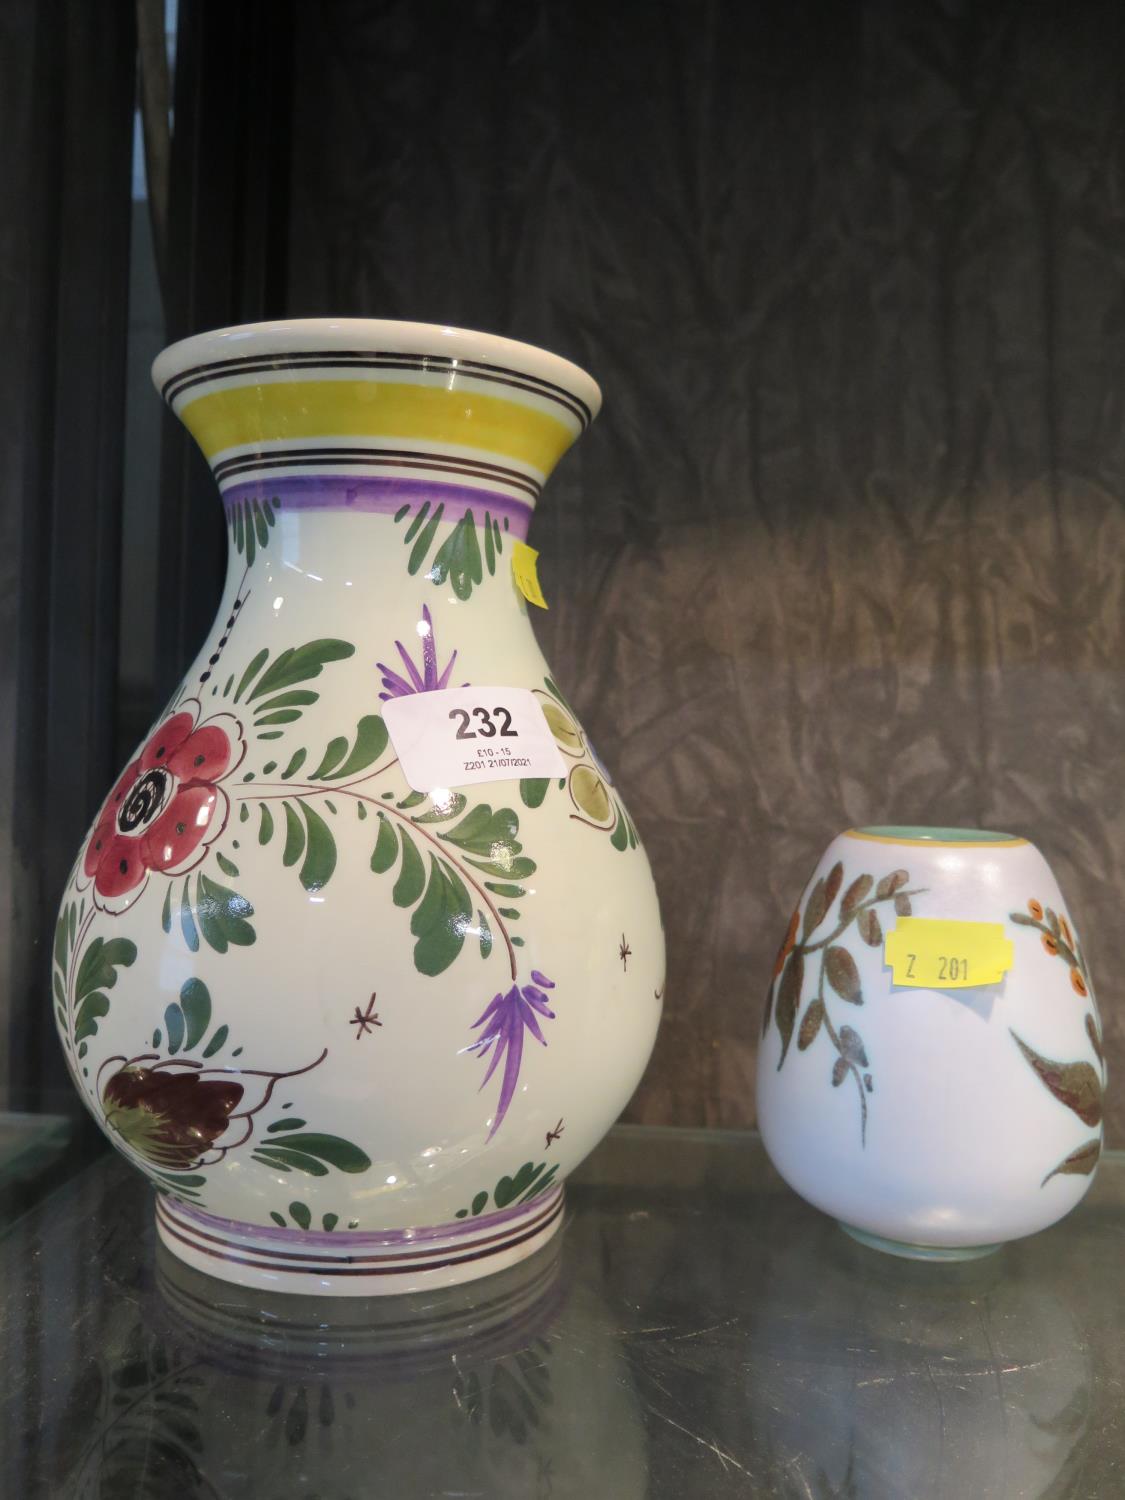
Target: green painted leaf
(320, 856)
(251, 672)
(533, 790)
(195, 1002)
(295, 764)
(412, 799)
(260, 525)
(440, 920)
(370, 742)
(338, 1153)
(458, 558)
(541, 1186)
(300, 664)
(62, 938)
(217, 1042)
(411, 530)
(333, 755)
(329, 1221)
(298, 698)
(187, 922)
(424, 543)
(265, 827)
(619, 838)
(174, 1026)
(386, 847)
(521, 868)
(166, 913)
(282, 716)
(499, 889)
(289, 1161)
(294, 837)
(92, 1008)
(223, 916)
(227, 866)
(100, 962)
(290, 1122)
(412, 875)
(299, 1213)
(445, 810)
(277, 1218)
(480, 1202)
(485, 935)
(482, 829)
(508, 1189)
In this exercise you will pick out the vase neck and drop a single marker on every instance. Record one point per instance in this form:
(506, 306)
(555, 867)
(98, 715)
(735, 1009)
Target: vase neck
(374, 429)
(427, 528)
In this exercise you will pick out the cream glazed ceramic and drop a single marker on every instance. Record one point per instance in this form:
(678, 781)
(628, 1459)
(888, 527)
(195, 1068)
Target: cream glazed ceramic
(941, 1122)
(358, 1033)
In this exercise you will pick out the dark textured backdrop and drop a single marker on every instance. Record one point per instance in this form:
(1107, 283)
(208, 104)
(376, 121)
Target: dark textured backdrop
(846, 544)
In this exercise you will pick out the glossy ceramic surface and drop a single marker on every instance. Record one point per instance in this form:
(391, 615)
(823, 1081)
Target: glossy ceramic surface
(358, 1033)
(937, 1121)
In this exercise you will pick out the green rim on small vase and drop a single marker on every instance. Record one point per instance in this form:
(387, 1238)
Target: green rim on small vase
(912, 833)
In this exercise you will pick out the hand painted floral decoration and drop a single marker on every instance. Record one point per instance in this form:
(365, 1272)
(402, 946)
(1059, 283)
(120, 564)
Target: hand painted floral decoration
(167, 808)
(504, 1021)
(429, 679)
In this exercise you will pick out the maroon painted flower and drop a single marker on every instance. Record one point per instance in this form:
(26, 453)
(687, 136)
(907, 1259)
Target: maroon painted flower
(170, 1116)
(504, 1022)
(429, 679)
(167, 808)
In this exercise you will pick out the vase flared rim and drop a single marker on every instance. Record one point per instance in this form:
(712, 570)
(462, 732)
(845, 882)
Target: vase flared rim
(260, 341)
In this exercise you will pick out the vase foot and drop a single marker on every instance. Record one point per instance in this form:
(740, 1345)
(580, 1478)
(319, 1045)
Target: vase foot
(356, 1263)
(943, 1253)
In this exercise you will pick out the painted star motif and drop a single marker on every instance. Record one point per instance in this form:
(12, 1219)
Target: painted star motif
(366, 1020)
(624, 953)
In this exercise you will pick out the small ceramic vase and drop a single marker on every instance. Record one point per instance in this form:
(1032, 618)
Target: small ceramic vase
(362, 953)
(937, 1087)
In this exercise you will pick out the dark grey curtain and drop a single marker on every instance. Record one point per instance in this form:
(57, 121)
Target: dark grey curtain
(846, 544)
(66, 102)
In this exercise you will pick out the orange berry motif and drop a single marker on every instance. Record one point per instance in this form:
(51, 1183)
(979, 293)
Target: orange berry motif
(1036, 910)
(1079, 983)
(1051, 946)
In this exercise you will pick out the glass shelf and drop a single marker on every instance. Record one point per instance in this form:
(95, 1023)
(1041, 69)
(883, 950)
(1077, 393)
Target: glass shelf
(696, 1331)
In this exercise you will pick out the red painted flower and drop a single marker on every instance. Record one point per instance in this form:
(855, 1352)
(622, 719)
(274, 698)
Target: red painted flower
(167, 808)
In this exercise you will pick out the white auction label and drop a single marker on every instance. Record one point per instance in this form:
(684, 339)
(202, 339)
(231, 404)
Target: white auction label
(459, 736)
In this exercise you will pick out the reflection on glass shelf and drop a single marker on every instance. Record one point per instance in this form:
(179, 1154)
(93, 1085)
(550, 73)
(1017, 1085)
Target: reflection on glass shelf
(696, 1331)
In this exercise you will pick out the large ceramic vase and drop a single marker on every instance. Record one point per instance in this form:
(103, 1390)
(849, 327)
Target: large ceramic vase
(358, 1029)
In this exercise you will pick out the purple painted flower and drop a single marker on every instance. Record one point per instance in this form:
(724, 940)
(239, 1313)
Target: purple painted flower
(428, 680)
(504, 1023)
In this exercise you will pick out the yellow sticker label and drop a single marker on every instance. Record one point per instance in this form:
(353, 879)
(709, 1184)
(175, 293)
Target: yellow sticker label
(524, 571)
(925, 953)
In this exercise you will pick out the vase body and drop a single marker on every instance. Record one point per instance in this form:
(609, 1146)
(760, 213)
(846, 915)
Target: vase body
(356, 1031)
(933, 1120)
